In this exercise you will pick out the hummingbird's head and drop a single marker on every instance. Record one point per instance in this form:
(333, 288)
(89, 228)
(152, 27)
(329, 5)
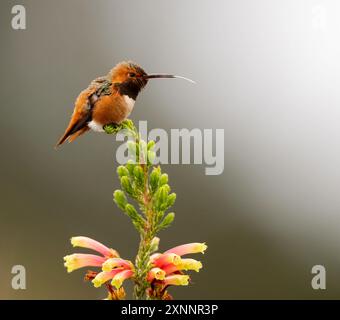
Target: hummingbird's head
(130, 78)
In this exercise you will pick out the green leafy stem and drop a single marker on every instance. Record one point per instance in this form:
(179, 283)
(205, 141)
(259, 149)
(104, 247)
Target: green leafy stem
(148, 187)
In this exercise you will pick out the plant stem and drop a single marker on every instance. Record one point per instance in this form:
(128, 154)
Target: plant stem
(145, 199)
(144, 251)
(142, 266)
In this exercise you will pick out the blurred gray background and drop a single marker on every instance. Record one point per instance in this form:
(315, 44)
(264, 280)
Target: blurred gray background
(267, 72)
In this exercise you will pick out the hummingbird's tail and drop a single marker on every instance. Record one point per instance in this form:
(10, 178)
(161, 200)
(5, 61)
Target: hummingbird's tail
(61, 141)
(71, 136)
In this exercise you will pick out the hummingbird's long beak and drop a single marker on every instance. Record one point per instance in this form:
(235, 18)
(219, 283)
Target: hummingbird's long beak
(157, 76)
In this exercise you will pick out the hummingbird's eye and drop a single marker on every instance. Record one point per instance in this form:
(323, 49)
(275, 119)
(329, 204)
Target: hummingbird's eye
(131, 74)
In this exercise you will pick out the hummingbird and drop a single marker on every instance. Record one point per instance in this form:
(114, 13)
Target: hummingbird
(109, 99)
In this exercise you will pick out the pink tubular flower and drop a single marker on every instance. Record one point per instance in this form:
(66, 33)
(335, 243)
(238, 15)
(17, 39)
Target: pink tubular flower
(119, 278)
(113, 267)
(105, 276)
(85, 242)
(167, 258)
(111, 263)
(177, 280)
(186, 264)
(168, 269)
(79, 260)
(188, 248)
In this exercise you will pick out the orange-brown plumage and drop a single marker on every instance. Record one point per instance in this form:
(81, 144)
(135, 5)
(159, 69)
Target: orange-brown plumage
(109, 99)
(103, 101)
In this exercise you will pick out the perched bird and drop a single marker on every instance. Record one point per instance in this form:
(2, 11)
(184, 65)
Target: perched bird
(109, 99)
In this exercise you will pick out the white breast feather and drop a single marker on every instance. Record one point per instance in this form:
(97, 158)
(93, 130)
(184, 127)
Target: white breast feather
(129, 103)
(96, 126)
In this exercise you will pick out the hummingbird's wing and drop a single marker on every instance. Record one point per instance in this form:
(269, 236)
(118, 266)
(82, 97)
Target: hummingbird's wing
(84, 104)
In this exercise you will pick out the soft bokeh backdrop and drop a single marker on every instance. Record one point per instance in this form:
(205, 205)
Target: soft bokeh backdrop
(267, 72)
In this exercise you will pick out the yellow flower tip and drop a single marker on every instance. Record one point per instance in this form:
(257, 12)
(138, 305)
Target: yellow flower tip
(107, 266)
(80, 241)
(69, 269)
(177, 280)
(116, 282)
(97, 283)
(198, 266)
(191, 264)
(74, 241)
(69, 263)
(184, 280)
(203, 247)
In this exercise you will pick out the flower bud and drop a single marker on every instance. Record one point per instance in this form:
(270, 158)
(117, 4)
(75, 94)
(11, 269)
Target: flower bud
(139, 176)
(154, 244)
(126, 185)
(122, 171)
(151, 144)
(120, 199)
(154, 178)
(130, 165)
(171, 200)
(151, 157)
(169, 218)
(132, 149)
(163, 179)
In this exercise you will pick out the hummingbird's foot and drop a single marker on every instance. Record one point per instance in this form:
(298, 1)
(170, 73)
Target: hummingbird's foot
(126, 125)
(112, 128)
